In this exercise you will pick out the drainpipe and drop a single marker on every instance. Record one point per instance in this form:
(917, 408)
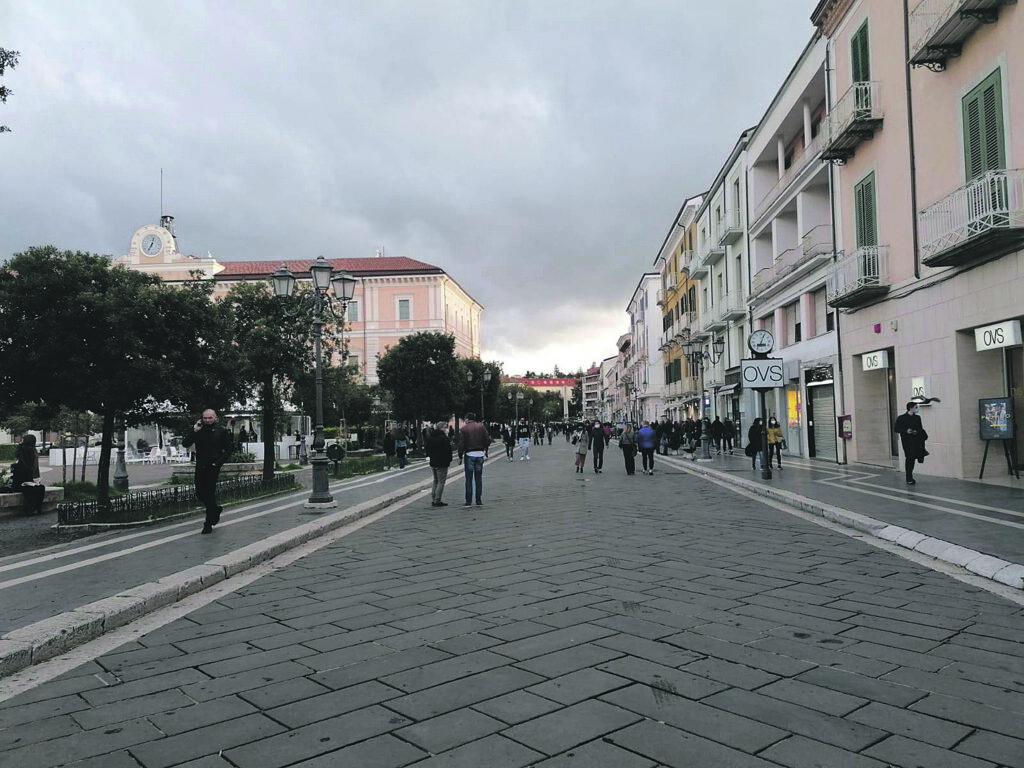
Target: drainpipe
(910, 141)
(835, 255)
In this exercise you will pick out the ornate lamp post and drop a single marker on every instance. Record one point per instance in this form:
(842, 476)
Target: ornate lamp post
(698, 356)
(485, 379)
(319, 301)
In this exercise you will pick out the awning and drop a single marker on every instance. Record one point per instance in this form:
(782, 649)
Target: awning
(728, 389)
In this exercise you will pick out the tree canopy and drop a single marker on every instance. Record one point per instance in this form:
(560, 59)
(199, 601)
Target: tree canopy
(8, 60)
(420, 374)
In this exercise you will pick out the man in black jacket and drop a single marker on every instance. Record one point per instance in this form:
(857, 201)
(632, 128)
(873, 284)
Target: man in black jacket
(439, 451)
(598, 441)
(912, 435)
(213, 447)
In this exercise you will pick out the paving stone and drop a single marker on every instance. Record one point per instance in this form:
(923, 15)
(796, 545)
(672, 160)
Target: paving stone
(285, 692)
(769, 662)
(123, 759)
(571, 726)
(906, 642)
(824, 656)
(839, 732)
(813, 697)
(656, 651)
(474, 641)
(723, 727)
(579, 685)
(904, 722)
(343, 657)
(568, 660)
(971, 713)
(673, 748)
(464, 692)
(798, 752)
(597, 754)
(316, 739)
(145, 686)
(40, 730)
(999, 661)
(906, 753)
(444, 670)
(379, 666)
(332, 704)
(40, 710)
(440, 734)
(494, 750)
(516, 707)
(663, 678)
(632, 625)
(255, 660)
(151, 667)
(81, 745)
(862, 686)
(995, 747)
(379, 752)
(730, 673)
(339, 638)
(244, 681)
(195, 716)
(897, 656)
(140, 706)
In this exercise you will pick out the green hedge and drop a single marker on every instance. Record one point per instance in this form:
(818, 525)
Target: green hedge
(363, 465)
(7, 451)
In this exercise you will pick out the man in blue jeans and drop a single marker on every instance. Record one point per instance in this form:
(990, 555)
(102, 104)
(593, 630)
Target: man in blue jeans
(474, 443)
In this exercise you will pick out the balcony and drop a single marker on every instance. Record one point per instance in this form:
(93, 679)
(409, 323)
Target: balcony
(712, 253)
(982, 220)
(853, 119)
(733, 306)
(811, 153)
(732, 228)
(859, 278)
(762, 280)
(698, 268)
(661, 297)
(938, 28)
(712, 319)
(817, 241)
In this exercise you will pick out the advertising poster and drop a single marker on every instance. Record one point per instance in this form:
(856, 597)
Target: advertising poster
(996, 418)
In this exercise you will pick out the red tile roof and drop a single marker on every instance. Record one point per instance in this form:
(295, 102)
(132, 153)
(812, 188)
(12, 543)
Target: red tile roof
(385, 265)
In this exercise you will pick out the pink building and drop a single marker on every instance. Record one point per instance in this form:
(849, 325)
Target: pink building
(394, 296)
(926, 130)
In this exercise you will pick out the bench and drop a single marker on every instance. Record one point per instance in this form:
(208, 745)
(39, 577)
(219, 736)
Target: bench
(10, 503)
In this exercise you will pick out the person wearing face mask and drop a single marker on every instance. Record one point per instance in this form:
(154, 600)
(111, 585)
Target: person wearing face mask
(598, 441)
(774, 441)
(912, 435)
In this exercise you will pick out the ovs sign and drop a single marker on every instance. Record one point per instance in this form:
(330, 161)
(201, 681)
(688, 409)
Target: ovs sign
(763, 373)
(999, 335)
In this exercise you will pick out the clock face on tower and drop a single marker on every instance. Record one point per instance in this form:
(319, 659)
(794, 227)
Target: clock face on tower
(152, 244)
(761, 342)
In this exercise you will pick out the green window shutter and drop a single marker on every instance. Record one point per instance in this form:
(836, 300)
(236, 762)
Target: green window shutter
(984, 137)
(860, 56)
(865, 212)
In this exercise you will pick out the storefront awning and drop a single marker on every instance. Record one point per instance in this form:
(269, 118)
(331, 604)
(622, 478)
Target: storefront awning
(728, 389)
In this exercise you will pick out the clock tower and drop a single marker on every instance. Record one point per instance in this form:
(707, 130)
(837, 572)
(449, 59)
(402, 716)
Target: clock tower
(153, 249)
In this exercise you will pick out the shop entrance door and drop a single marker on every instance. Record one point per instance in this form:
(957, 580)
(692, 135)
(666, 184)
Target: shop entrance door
(1015, 386)
(821, 422)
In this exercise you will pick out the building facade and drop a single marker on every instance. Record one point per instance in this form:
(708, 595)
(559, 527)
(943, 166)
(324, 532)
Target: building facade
(394, 296)
(644, 370)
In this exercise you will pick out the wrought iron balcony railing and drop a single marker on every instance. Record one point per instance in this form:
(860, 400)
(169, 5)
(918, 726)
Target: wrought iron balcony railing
(853, 119)
(938, 28)
(859, 277)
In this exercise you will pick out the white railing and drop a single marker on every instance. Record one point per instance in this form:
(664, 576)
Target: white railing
(762, 279)
(860, 102)
(661, 296)
(994, 200)
(866, 267)
(787, 261)
(811, 152)
(926, 18)
(730, 225)
(817, 241)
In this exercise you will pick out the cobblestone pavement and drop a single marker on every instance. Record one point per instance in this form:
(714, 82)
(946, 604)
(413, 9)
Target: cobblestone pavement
(573, 620)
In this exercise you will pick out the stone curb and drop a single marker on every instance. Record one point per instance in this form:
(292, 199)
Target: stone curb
(35, 643)
(978, 563)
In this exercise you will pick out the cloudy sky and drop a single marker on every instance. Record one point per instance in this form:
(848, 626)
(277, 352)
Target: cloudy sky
(536, 150)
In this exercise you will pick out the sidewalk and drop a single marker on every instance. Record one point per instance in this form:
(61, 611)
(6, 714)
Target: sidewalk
(573, 620)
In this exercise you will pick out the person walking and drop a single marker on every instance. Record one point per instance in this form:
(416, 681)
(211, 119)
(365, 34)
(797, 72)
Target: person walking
(475, 442)
(728, 434)
(389, 448)
(912, 437)
(774, 441)
(717, 428)
(25, 476)
(598, 441)
(627, 443)
(439, 451)
(647, 441)
(754, 443)
(523, 435)
(508, 437)
(582, 442)
(401, 445)
(213, 447)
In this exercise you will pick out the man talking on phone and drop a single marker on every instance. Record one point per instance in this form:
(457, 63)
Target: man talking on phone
(213, 447)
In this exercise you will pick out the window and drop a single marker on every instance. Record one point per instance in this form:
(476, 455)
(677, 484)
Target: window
(353, 311)
(830, 321)
(866, 212)
(768, 323)
(792, 312)
(984, 138)
(820, 311)
(353, 363)
(859, 55)
(404, 309)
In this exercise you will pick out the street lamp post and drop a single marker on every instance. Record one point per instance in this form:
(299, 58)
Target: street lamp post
(485, 379)
(319, 301)
(699, 356)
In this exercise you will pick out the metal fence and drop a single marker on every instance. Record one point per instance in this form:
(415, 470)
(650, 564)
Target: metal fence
(144, 506)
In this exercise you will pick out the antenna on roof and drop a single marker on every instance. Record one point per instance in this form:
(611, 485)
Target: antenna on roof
(161, 193)
(379, 253)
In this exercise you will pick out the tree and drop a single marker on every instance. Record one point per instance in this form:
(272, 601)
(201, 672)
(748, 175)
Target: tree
(420, 373)
(343, 396)
(8, 60)
(78, 332)
(473, 390)
(272, 339)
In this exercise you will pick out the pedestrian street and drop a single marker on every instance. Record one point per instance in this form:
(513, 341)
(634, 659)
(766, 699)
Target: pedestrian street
(571, 620)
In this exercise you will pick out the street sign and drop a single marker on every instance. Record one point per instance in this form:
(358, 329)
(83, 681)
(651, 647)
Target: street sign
(762, 373)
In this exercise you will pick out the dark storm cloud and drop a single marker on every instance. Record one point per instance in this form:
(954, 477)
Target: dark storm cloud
(535, 150)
